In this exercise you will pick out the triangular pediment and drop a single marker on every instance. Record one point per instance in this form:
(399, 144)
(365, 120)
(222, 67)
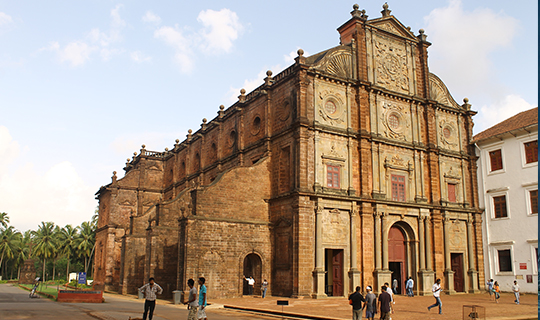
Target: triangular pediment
(392, 25)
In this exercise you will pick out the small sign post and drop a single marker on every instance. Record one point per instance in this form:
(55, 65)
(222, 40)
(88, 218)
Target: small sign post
(82, 278)
(282, 303)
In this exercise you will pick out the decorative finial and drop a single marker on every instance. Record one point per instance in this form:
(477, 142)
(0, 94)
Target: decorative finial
(422, 36)
(466, 100)
(268, 80)
(421, 31)
(385, 12)
(242, 96)
(143, 146)
(242, 91)
(204, 120)
(300, 52)
(128, 160)
(356, 13)
(269, 73)
(221, 107)
(177, 140)
(466, 105)
(166, 149)
(355, 6)
(190, 131)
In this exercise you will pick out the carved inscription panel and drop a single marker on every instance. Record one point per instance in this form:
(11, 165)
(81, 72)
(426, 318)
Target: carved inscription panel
(391, 64)
(335, 227)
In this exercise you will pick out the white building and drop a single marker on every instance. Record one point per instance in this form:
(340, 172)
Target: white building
(508, 190)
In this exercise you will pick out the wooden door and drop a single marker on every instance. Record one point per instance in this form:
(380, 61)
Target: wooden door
(397, 257)
(457, 267)
(337, 273)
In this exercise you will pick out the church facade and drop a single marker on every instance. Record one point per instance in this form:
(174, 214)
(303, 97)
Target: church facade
(353, 166)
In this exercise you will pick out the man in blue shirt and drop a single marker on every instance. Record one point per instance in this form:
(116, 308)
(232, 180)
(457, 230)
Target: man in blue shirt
(202, 299)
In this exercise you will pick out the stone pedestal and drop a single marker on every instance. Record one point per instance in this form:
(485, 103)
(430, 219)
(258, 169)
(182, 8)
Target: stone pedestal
(382, 276)
(426, 279)
(449, 275)
(473, 280)
(318, 278)
(28, 272)
(354, 276)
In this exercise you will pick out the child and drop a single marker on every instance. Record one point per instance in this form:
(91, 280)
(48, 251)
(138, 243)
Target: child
(496, 289)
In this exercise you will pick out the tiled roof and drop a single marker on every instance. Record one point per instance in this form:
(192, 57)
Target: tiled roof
(520, 120)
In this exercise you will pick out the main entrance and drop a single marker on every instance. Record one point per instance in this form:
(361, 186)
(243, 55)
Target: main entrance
(334, 272)
(253, 268)
(397, 258)
(457, 267)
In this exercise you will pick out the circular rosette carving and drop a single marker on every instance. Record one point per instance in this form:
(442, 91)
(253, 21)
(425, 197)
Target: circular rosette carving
(331, 109)
(448, 133)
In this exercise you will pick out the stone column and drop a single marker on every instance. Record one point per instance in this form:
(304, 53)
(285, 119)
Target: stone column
(378, 249)
(318, 272)
(384, 241)
(354, 273)
(429, 253)
(473, 274)
(422, 243)
(447, 261)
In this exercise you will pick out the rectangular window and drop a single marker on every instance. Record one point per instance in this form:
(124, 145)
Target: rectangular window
(534, 201)
(495, 158)
(499, 204)
(398, 188)
(332, 173)
(531, 151)
(452, 192)
(505, 261)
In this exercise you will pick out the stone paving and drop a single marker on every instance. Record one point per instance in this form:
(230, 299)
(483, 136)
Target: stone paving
(405, 308)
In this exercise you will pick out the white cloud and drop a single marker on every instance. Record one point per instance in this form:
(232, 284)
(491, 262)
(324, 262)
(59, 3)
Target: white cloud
(490, 115)
(79, 52)
(251, 84)
(181, 44)
(221, 28)
(5, 19)
(462, 44)
(151, 17)
(59, 195)
(140, 57)
(289, 58)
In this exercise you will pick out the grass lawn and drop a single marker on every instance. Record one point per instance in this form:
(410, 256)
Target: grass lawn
(50, 290)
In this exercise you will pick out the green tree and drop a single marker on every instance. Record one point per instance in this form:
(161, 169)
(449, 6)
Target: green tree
(45, 243)
(23, 251)
(4, 219)
(10, 239)
(68, 243)
(85, 242)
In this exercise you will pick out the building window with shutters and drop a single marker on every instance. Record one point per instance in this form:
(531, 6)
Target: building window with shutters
(495, 158)
(398, 188)
(332, 176)
(499, 206)
(452, 192)
(533, 198)
(505, 260)
(531, 151)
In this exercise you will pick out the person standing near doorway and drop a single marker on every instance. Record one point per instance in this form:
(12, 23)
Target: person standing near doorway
(356, 299)
(192, 302)
(202, 299)
(251, 284)
(264, 288)
(436, 289)
(149, 292)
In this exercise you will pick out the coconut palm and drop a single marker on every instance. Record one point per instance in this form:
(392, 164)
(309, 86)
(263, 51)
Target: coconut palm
(22, 252)
(10, 239)
(45, 242)
(4, 219)
(67, 243)
(85, 242)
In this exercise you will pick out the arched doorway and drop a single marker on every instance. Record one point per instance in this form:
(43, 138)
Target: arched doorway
(397, 257)
(253, 268)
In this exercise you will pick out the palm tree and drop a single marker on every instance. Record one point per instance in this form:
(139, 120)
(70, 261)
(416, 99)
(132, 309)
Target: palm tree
(4, 219)
(85, 242)
(23, 251)
(9, 241)
(67, 242)
(45, 245)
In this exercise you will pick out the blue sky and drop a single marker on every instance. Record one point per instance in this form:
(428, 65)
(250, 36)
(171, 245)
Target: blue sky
(84, 83)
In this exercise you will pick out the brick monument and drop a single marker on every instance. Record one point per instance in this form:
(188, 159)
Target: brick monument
(352, 166)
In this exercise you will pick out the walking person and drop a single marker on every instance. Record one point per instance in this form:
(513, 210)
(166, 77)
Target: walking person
(356, 299)
(149, 292)
(192, 302)
(409, 287)
(202, 299)
(264, 288)
(392, 300)
(489, 284)
(384, 301)
(395, 286)
(436, 289)
(370, 304)
(515, 289)
(497, 291)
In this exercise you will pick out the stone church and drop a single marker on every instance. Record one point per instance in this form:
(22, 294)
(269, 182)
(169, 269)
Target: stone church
(353, 166)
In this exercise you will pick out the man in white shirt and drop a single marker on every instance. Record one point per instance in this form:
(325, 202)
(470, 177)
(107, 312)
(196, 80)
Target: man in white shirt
(409, 287)
(436, 289)
(192, 301)
(251, 284)
(149, 291)
(515, 289)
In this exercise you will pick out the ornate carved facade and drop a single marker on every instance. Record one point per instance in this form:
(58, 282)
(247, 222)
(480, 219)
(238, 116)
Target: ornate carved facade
(351, 167)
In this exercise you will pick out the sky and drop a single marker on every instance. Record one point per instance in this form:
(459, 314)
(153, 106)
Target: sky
(83, 84)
